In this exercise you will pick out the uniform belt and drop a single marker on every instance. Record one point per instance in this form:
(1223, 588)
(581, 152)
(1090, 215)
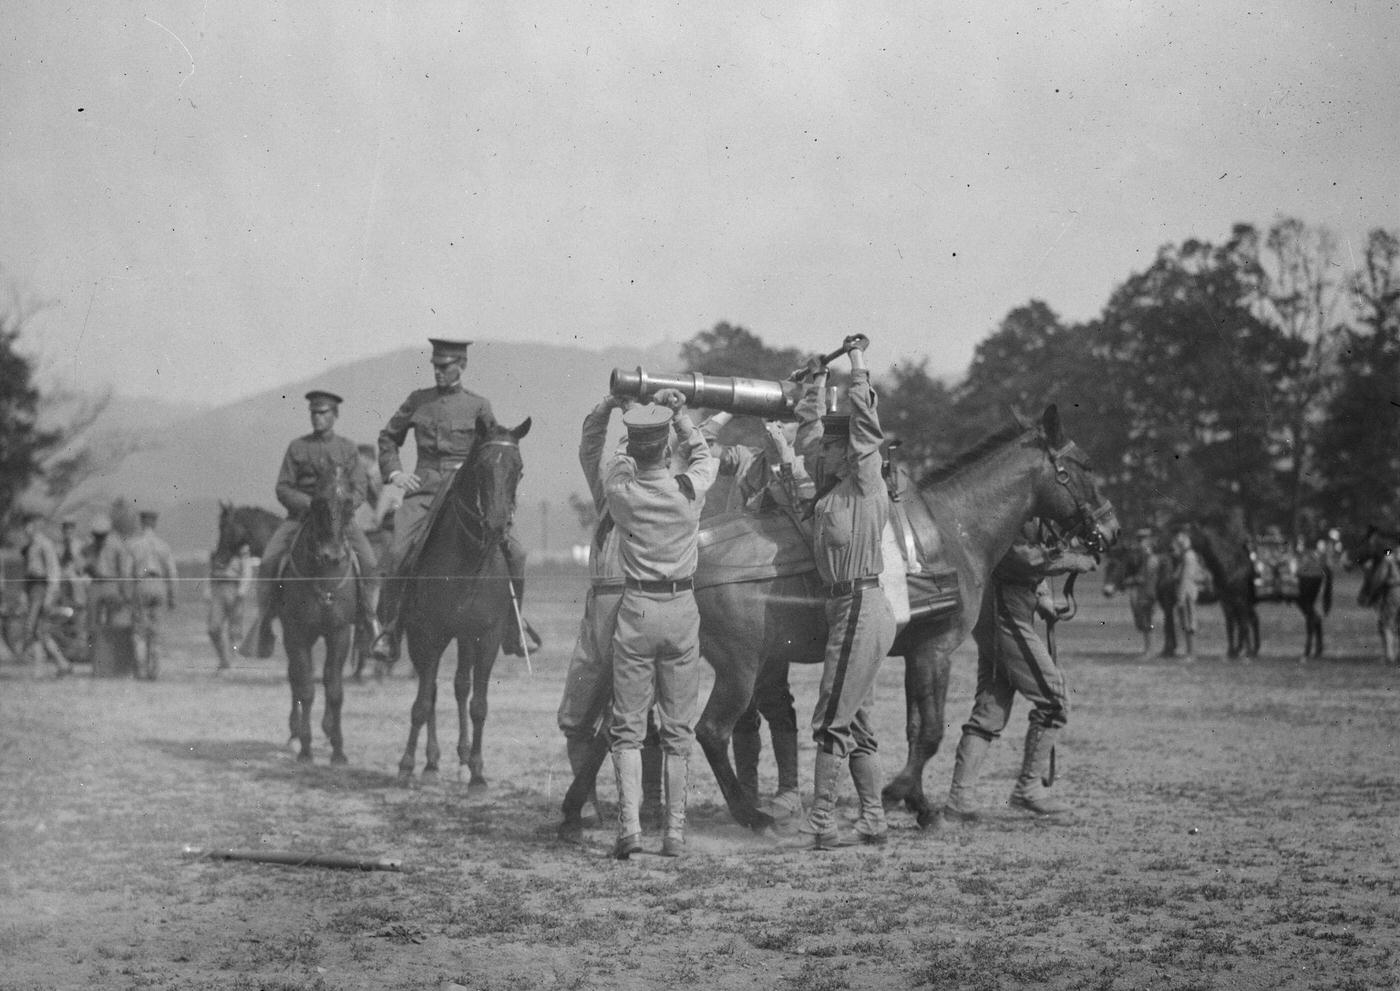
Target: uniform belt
(440, 464)
(607, 584)
(837, 590)
(670, 588)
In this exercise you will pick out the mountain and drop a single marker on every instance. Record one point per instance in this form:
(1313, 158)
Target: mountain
(192, 461)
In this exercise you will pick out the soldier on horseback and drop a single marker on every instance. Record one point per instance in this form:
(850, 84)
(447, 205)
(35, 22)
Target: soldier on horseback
(446, 421)
(310, 460)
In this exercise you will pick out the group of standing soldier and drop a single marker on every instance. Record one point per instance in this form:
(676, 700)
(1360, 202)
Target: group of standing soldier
(113, 582)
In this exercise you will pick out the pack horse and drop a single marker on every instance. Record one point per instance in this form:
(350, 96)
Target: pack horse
(759, 597)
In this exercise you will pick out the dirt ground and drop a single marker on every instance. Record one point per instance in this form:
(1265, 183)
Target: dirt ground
(1235, 827)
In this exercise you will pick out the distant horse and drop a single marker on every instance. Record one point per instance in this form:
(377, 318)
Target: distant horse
(459, 588)
(318, 603)
(240, 525)
(966, 515)
(1227, 558)
(1380, 586)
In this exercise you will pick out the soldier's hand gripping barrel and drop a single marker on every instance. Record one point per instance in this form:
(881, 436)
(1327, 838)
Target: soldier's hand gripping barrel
(741, 396)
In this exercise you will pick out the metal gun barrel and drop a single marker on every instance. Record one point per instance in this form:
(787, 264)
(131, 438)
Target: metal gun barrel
(755, 397)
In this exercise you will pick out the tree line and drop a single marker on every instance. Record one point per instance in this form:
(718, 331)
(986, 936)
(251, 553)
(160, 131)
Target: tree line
(1260, 374)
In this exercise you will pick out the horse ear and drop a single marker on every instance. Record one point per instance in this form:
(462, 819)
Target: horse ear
(1050, 420)
(1021, 419)
(524, 428)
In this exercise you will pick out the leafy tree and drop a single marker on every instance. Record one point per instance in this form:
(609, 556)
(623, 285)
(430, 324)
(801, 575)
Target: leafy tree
(727, 349)
(1358, 444)
(1300, 297)
(23, 442)
(1193, 371)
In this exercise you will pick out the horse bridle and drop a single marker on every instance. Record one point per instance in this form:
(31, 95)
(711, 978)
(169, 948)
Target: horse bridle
(326, 595)
(470, 519)
(1087, 517)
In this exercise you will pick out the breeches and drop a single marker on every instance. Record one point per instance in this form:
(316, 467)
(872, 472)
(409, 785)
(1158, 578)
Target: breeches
(36, 594)
(146, 617)
(1012, 658)
(410, 529)
(588, 683)
(1186, 609)
(224, 606)
(656, 659)
(860, 630)
(1143, 605)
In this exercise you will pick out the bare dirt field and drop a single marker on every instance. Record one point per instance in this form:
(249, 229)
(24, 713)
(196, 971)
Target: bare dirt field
(1236, 826)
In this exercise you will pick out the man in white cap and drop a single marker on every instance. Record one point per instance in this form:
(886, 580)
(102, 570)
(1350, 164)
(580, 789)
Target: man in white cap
(656, 646)
(446, 421)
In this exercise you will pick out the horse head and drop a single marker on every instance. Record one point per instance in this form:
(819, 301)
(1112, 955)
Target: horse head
(484, 491)
(326, 521)
(1069, 495)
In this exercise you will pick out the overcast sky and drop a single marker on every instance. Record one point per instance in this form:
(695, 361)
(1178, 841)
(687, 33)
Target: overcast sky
(225, 196)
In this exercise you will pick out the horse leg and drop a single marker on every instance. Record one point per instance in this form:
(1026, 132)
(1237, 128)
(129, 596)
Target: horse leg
(926, 672)
(1251, 625)
(748, 746)
(476, 665)
(300, 675)
(333, 676)
(730, 696)
(425, 664)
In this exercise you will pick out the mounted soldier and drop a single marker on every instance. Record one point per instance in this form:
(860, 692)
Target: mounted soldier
(446, 421)
(309, 461)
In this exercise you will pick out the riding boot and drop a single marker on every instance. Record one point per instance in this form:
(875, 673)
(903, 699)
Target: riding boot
(369, 610)
(967, 766)
(261, 639)
(748, 745)
(627, 766)
(676, 771)
(384, 648)
(821, 818)
(653, 806)
(1032, 787)
(577, 748)
(869, 779)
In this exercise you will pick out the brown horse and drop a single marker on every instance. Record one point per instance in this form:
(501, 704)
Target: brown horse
(318, 603)
(966, 515)
(459, 588)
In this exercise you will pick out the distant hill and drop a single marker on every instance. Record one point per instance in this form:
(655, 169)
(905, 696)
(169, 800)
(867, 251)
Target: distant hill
(232, 452)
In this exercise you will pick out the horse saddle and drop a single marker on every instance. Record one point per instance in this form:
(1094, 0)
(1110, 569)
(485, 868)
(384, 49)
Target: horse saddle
(755, 546)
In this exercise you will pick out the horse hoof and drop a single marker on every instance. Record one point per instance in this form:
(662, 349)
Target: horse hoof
(339, 759)
(761, 822)
(304, 757)
(570, 832)
(406, 778)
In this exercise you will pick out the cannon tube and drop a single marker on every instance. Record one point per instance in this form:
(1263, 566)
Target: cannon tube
(754, 397)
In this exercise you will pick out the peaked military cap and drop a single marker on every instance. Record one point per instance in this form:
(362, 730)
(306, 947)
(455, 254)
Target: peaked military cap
(445, 351)
(321, 399)
(648, 422)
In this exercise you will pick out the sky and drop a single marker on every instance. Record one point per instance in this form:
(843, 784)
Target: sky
(217, 198)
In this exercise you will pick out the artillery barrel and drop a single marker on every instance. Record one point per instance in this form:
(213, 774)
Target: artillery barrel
(755, 397)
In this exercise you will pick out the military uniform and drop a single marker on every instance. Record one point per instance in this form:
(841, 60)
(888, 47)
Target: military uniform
(309, 461)
(109, 574)
(588, 682)
(850, 513)
(1189, 575)
(153, 568)
(42, 577)
(656, 645)
(446, 423)
(1012, 659)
